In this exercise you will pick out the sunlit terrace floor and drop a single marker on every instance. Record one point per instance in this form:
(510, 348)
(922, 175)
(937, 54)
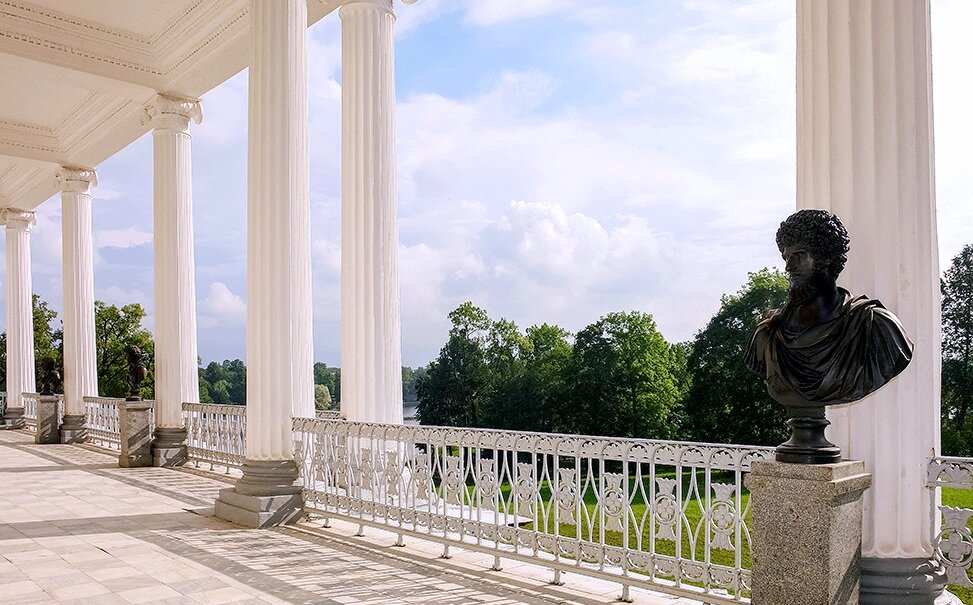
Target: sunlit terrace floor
(75, 528)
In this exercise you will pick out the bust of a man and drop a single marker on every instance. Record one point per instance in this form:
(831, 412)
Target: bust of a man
(825, 346)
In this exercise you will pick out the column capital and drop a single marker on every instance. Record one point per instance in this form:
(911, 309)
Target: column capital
(72, 179)
(14, 218)
(382, 5)
(172, 113)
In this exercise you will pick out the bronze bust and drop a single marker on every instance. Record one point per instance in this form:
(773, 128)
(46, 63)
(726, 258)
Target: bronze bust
(825, 346)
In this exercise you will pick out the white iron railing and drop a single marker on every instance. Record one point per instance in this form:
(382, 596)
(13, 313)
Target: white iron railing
(328, 414)
(215, 434)
(954, 543)
(30, 411)
(664, 514)
(102, 421)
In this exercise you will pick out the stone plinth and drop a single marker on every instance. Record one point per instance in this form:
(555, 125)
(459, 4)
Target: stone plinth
(135, 428)
(268, 494)
(73, 429)
(169, 446)
(48, 428)
(807, 531)
(13, 419)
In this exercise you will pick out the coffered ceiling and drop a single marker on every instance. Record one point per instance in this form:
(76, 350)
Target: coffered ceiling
(74, 76)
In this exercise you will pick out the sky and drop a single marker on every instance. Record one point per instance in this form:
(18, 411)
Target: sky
(557, 160)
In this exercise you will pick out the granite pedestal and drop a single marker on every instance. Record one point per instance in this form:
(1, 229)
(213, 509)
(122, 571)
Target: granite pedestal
(807, 528)
(73, 429)
(48, 428)
(169, 446)
(267, 494)
(135, 428)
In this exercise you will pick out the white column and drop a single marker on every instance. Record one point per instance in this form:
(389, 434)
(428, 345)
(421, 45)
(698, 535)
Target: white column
(176, 374)
(20, 313)
(279, 368)
(371, 357)
(80, 365)
(865, 152)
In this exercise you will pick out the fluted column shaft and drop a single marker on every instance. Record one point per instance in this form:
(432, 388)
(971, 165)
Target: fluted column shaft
(20, 315)
(865, 152)
(176, 374)
(371, 357)
(80, 365)
(279, 368)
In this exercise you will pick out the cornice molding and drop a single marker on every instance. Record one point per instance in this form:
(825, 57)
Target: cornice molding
(14, 218)
(168, 113)
(73, 179)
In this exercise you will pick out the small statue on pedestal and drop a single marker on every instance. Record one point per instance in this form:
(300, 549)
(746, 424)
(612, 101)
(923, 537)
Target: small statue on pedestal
(136, 371)
(824, 347)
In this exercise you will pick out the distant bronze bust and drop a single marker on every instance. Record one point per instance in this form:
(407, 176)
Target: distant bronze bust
(824, 347)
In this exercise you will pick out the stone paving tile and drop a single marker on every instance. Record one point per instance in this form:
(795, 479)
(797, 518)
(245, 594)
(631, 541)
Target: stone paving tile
(75, 528)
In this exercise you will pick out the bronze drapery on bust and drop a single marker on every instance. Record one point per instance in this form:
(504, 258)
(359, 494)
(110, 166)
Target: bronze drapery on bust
(825, 346)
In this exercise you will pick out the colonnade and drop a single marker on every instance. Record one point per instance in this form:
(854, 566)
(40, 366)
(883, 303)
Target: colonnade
(279, 314)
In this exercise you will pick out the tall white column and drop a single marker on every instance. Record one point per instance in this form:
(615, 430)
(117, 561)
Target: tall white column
(278, 264)
(80, 365)
(176, 374)
(865, 152)
(20, 314)
(371, 351)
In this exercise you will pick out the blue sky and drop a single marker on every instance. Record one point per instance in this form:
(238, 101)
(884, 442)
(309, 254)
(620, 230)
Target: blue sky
(558, 160)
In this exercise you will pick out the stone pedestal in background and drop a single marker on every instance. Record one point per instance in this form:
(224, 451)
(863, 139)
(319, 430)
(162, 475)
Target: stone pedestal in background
(48, 427)
(135, 427)
(169, 446)
(807, 531)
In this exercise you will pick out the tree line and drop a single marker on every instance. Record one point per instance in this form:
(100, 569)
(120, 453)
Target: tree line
(617, 376)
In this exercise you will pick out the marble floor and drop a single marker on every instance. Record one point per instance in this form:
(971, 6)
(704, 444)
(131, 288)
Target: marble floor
(75, 528)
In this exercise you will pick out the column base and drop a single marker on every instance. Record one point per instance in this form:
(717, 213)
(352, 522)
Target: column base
(13, 419)
(267, 495)
(169, 446)
(807, 524)
(73, 429)
(902, 582)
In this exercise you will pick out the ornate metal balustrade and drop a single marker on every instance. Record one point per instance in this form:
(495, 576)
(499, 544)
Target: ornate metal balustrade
(328, 415)
(102, 421)
(954, 543)
(215, 434)
(30, 411)
(668, 514)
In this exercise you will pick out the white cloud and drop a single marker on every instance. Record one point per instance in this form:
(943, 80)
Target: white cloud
(221, 307)
(494, 12)
(122, 238)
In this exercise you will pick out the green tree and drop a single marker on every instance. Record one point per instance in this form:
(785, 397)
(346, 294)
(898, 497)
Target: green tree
(223, 382)
(322, 397)
(726, 403)
(622, 378)
(47, 339)
(452, 391)
(957, 372)
(544, 394)
(115, 329)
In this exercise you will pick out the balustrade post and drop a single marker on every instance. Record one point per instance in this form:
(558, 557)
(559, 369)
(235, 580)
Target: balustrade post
(48, 426)
(135, 433)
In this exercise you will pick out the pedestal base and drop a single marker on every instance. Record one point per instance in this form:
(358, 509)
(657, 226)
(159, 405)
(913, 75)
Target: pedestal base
(901, 581)
(48, 430)
(267, 494)
(807, 527)
(169, 446)
(73, 429)
(13, 419)
(135, 427)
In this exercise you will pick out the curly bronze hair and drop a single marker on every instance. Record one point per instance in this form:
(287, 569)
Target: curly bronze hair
(822, 232)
